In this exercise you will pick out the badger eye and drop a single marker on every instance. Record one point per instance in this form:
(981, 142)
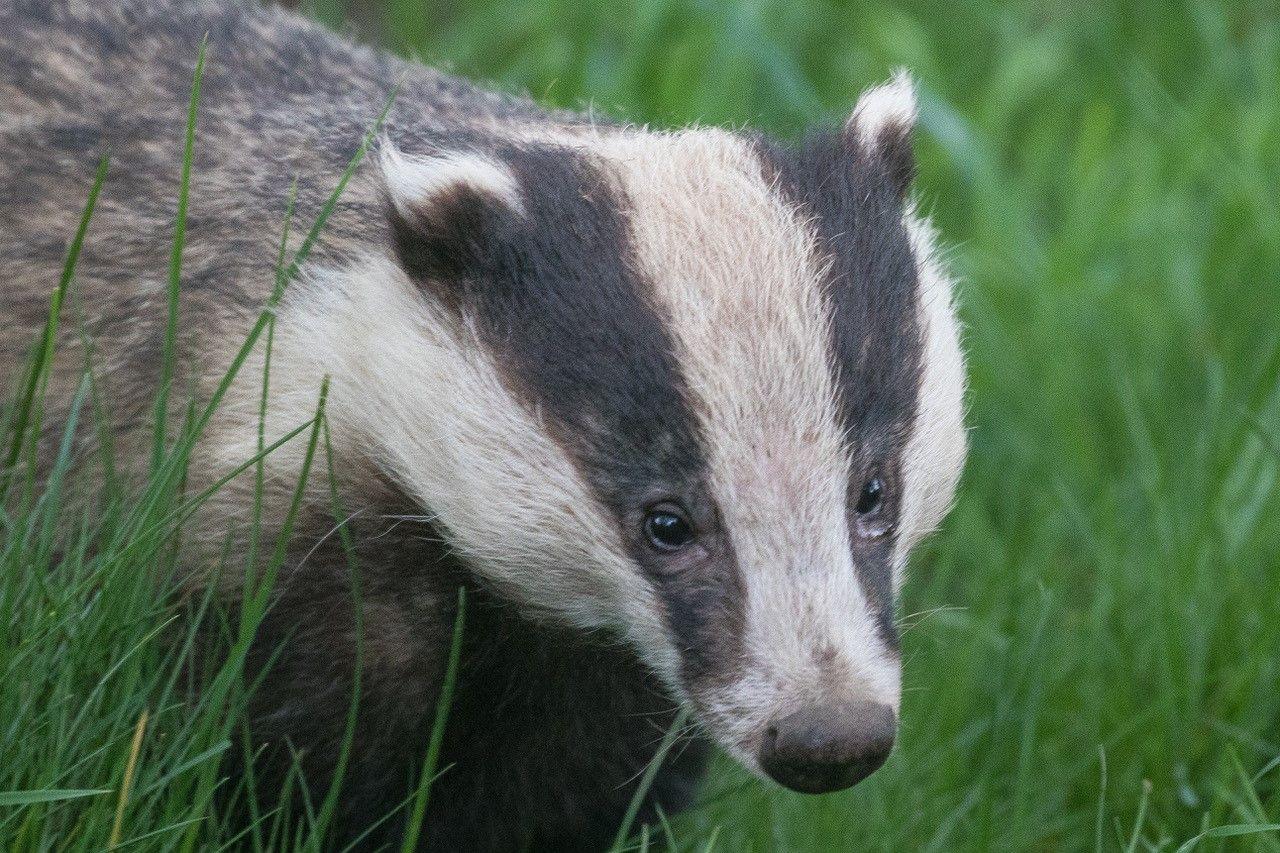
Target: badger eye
(871, 498)
(667, 528)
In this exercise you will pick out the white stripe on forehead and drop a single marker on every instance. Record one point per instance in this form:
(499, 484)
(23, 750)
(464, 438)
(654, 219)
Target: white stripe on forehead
(738, 277)
(742, 282)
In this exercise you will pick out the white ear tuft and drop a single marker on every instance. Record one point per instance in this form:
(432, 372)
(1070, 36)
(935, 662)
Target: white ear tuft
(889, 107)
(414, 182)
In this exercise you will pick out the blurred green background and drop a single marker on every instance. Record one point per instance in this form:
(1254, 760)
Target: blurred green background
(1093, 651)
(1092, 643)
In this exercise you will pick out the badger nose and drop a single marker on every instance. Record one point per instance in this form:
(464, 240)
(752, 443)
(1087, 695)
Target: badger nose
(829, 747)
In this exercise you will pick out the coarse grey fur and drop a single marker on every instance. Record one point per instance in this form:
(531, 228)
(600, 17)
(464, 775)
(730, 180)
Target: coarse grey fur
(283, 100)
(556, 714)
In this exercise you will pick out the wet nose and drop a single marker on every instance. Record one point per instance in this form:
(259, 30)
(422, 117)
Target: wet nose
(828, 747)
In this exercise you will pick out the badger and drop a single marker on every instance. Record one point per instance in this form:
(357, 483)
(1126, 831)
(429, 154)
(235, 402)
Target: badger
(673, 406)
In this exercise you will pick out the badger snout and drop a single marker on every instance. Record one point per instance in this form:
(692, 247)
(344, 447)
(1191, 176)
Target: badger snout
(826, 748)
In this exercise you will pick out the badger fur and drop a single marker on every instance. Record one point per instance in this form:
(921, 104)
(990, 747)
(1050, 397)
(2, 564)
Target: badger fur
(674, 406)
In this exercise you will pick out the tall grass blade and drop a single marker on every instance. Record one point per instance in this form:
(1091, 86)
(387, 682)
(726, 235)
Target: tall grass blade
(9, 799)
(27, 417)
(175, 264)
(646, 781)
(341, 518)
(131, 766)
(1232, 830)
(413, 828)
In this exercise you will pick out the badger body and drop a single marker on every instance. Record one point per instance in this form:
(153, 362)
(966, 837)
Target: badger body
(673, 406)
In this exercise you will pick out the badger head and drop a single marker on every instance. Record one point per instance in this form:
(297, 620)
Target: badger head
(694, 388)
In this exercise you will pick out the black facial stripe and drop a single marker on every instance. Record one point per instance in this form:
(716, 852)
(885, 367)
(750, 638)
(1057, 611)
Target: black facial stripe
(563, 306)
(557, 296)
(854, 198)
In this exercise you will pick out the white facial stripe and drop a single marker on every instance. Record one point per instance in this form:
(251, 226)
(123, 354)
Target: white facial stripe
(423, 398)
(935, 454)
(741, 280)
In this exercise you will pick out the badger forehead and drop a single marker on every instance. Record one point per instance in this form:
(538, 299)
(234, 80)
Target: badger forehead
(788, 282)
(737, 275)
(794, 270)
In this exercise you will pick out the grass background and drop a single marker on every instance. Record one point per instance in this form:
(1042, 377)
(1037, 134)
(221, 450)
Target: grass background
(1093, 657)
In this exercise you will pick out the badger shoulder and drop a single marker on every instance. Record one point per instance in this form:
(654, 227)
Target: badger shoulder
(284, 106)
(281, 100)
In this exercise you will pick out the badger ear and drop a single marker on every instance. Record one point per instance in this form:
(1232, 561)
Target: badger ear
(447, 212)
(881, 127)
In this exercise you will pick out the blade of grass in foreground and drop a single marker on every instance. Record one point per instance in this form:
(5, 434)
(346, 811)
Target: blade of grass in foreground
(27, 418)
(340, 517)
(1228, 831)
(175, 263)
(48, 795)
(259, 475)
(650, 773)
(443, 703)
(126, 784)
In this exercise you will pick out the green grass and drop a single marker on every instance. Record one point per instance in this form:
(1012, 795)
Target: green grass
(1093, 657)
